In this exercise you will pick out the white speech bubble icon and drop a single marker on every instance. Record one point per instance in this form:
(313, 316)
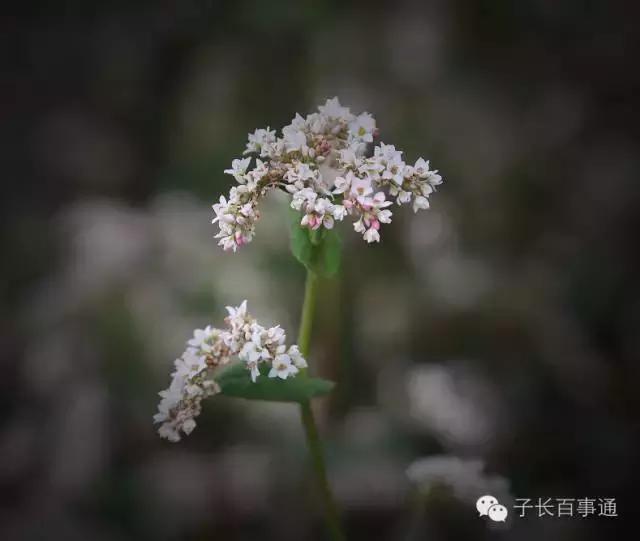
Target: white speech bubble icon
(498, 513)
(484, 502)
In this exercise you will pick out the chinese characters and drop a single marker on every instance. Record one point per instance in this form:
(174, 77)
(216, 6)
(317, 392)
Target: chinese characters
(566, 507)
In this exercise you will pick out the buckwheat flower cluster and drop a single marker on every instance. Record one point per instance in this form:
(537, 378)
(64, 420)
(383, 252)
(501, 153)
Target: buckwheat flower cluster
(193, 379)
(321, 161)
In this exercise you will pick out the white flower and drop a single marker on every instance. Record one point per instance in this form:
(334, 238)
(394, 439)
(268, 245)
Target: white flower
(403, 197)
(332, 109)
(349, 158)
(300, 173)
(201, 337)
(314, 123)
(169, 432)
(320, 161)
(433, 178)
(371, 235)
(251, 355)
(237, 313)
(420, 202)
(282, 367)
(343, 184)
(421, 168)
(188, 426)
(254, 176)
(323, 205)
(319, 211)
(296, 357)
(387, 153)
(363, 127)
(394, 170)
(384, 216)
(238, 169)
(275, 336)
(259, 138)
(361, 188)
(193, 381)
(294, 139)
(304, 199)
(339, 212)
(190, 363)
(236, 218)
(298, 122)
(181, 401)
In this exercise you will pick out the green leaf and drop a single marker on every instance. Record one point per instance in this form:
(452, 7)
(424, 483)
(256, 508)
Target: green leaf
(329, 254)
(319, 251)
(301, 246)
(235, 381)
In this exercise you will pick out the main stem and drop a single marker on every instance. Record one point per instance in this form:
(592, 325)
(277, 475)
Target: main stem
(308, 421)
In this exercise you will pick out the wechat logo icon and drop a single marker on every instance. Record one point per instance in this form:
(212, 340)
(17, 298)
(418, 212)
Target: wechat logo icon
(488, 506)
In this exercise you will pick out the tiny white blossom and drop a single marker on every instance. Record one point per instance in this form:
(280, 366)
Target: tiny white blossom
(343, 184)
(296, 357)
(300, 172)
(420, 202)
(169, 432)
(251, 357)
(237, 313)
(349, 158)
(421, 168)
(282, 367)
(259, 138)
(191, 362)
(363, 127)
(339, 212)
(361, 188)
(320, 161)
(304, 199)
(238, 168)
(193, 379)
(294, 139)
(333, 109)
(371, 235)
(433, 178)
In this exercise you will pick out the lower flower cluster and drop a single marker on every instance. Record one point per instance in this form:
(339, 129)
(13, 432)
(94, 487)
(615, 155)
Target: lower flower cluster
(210, 348)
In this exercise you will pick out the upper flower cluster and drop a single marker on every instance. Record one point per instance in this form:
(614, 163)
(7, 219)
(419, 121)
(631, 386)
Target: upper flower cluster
(321, 161)
(211, 348)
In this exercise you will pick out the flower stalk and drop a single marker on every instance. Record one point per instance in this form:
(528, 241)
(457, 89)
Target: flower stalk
(332, 517)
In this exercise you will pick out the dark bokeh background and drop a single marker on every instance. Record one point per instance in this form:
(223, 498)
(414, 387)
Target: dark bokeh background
(500, 326)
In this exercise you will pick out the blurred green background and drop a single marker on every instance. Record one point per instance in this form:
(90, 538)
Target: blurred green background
(501, 326)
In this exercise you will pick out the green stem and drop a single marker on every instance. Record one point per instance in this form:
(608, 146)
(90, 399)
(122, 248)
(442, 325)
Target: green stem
(308, 308)
(306, 413)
